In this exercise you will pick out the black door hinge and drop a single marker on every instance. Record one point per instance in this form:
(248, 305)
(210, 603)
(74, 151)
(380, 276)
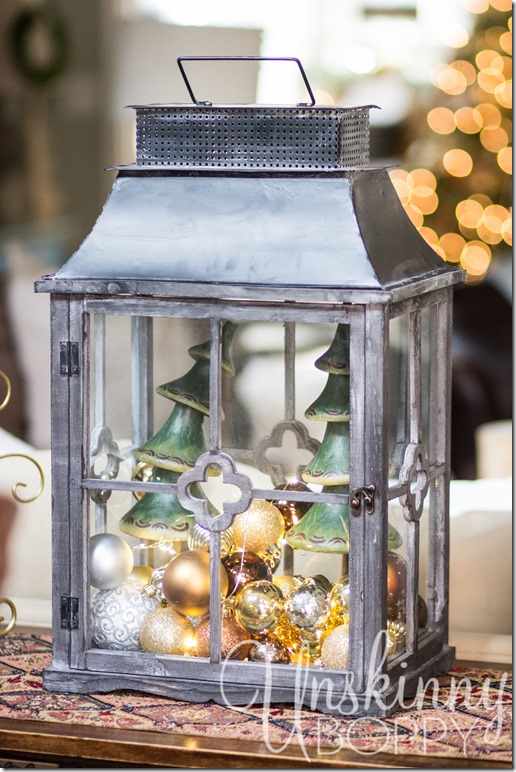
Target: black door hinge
(69, 613)
(68, 358)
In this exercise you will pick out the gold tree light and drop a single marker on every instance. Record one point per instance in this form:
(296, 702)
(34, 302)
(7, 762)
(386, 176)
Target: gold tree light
(461, 203)
(15, 492)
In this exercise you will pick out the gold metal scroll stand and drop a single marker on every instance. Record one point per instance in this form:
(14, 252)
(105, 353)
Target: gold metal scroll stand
(17, 497)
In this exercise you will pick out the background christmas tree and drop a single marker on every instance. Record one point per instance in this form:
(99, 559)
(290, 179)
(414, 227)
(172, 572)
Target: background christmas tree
(455, 181)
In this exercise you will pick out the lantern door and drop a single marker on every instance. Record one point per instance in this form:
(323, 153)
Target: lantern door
(225, 490)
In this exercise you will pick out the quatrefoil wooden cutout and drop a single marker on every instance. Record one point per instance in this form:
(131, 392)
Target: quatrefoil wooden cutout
(277, 472)
(414, 474)
(200, 507)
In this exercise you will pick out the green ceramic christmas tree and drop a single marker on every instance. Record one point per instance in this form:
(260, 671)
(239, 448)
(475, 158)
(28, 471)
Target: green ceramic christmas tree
(325, 527)
(176, 446)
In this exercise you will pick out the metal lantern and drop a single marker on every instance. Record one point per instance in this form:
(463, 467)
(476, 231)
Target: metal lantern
(254, 257)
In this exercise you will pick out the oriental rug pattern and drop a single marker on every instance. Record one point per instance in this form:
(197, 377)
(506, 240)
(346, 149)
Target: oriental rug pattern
(468, 716)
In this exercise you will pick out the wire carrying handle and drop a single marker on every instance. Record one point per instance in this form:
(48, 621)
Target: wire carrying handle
(182, 59)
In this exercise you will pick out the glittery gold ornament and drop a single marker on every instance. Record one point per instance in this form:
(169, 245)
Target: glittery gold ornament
(339, 601)
(258, 606)
(186, 583)
(335, 648)
(233, 639)
(141, 573)
(243, 567)
(308, 607)
(258, 527)
(287, 584)
(269, 649)
(166, 632)
(199, 539)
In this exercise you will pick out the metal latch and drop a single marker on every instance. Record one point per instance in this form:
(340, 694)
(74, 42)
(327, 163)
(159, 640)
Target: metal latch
(363, 499)
(68, 358)
(69, 613)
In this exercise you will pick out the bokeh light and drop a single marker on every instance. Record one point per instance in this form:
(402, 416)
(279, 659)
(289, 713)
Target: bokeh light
(501, 5)
(452, 245)
(476, 6)
(494, 139)
(468, 120)
(504, 158)
(475, 258)
(491, 115)
(469, 213)
(442, 120)
(458, 162)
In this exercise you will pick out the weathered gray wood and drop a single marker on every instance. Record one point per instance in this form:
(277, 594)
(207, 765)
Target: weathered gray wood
(412, 586)
(79, 512)
(358, 473)
(60, 441)
(439, 536)
(203, 308)
(141, 379)
(376, 472)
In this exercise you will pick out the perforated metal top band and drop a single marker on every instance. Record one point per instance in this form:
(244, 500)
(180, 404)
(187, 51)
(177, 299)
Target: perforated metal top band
(265, 138)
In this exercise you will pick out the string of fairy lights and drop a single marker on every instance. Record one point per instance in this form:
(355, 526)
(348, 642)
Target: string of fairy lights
(481, 221)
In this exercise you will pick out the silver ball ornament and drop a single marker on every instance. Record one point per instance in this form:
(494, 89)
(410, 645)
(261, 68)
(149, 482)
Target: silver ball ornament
(111, 561)
(117, 615)
(308, 607)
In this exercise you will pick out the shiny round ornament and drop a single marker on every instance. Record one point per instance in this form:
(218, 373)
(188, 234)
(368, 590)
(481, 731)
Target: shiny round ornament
(186, 583)
(258, 527)
(111, 561)
(164, 631)
(287, 584)
(335, 648)
(199, 539)
(258, 606)
(292, 511)
(308, 607)
(243, 567)
(269, 650)
(117, 615)
(234, 643)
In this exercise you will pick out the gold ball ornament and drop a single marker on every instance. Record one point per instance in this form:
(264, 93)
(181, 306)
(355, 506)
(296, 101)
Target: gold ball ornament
(234, 642)
(186, 583)
(335, 648)
(260, 526)
(164, 631)
(287, 584)
(258, 606)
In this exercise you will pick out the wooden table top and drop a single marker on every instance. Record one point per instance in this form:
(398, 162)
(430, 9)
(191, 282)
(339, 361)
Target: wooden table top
(54, 744)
